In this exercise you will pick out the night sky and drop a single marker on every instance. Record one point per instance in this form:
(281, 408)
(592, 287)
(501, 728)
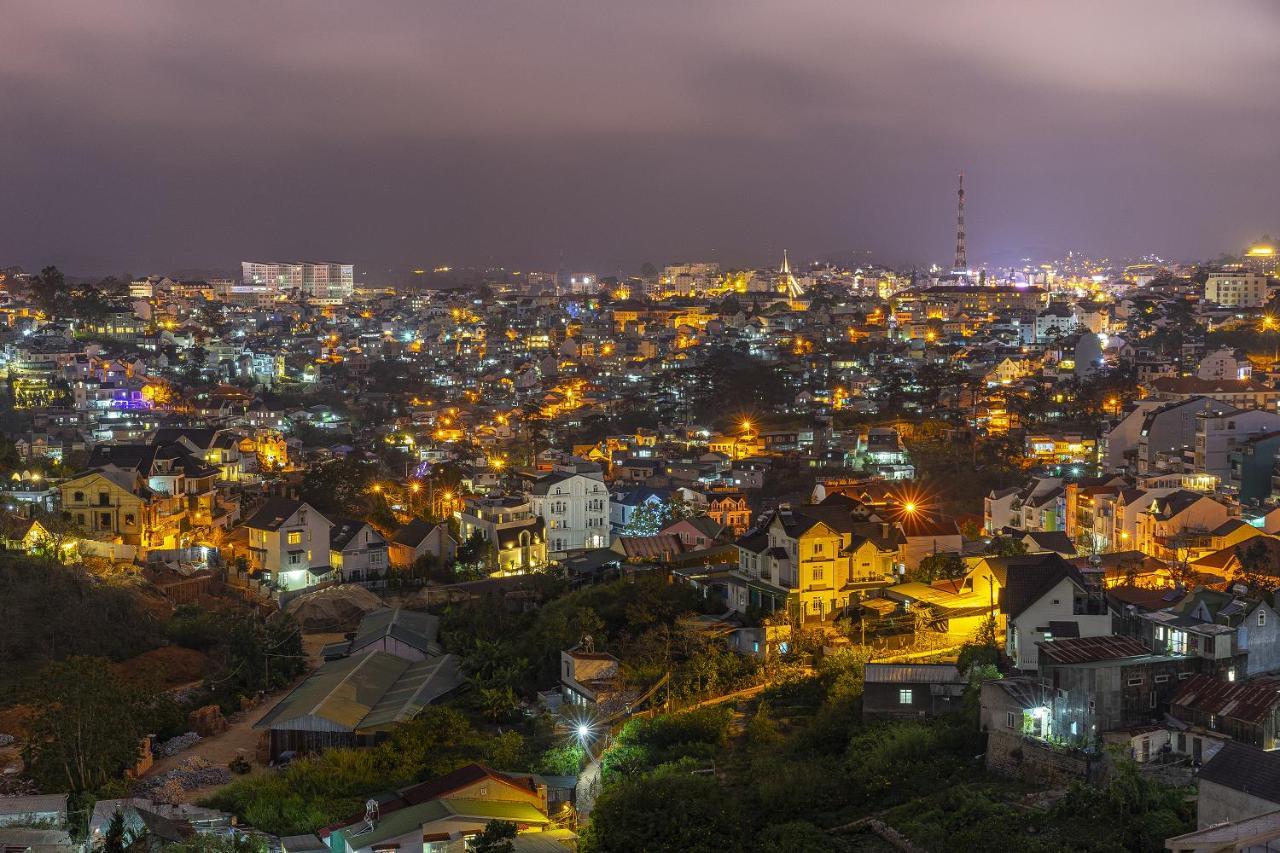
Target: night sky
(154, 136)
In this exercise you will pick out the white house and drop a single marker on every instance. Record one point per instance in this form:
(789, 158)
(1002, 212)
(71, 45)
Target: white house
(575, 508)
(289, 540)
(1044, 596)
(356, 550)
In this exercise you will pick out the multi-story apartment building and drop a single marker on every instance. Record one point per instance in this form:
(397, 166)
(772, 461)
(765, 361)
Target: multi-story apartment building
(322, 283)
(1218, 434)
(574, 506)
(1172, 427)
(1236, 289)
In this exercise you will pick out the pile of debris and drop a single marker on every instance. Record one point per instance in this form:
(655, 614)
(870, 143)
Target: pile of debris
(171, 787)
(334, 609)
(174, 745)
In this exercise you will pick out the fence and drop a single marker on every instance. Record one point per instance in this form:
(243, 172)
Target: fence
(194, 554)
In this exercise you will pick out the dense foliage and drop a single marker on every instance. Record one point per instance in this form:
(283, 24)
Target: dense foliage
(325, 788)
(252, 654)
(88, 724)
(805, 763)
(51, 612)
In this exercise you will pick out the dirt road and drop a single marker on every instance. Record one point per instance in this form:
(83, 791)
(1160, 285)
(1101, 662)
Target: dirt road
(240, 738)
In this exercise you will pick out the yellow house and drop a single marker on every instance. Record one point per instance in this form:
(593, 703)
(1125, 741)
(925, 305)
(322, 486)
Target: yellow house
(827, 557)
(113, 502)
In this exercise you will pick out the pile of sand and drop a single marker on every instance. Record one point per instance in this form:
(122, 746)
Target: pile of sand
(336, 608)
(166, 667)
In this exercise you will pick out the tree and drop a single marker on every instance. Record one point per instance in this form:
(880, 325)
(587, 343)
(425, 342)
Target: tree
(1006, 546)
(761, 728)
(796, 836)
(87, 727)
(341, 487)
(51, 291)
(669, 809)
(936, 567)
(1258, 567)
(647, 520)
(117, 838)
(496, 838)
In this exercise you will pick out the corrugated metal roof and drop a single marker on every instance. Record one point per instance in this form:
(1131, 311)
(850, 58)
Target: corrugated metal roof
(912, 673)
(366, 691)
(1251, 703)
(1091, 649)
(422, 683)
(408, 626)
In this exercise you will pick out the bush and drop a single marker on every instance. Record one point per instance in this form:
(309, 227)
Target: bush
(52, 612)
(897, 761)
(316, 791)
(645, 743)
(797, 836)
(670, 809)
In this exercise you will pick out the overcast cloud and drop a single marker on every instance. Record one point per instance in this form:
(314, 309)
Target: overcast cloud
(147, 136)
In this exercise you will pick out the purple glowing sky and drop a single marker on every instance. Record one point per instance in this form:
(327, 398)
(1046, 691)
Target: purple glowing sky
(144, 136)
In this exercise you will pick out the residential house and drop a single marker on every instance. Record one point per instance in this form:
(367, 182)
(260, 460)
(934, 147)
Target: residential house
(357, 551)
(825, 556)
(574, 505)
(893, 690)
(1171, 525)
(589, 678)
(419, 538)
(1238, 783)
(518, 536)
(118, 504)
(731, 510)
(1043, 597)
(432, 820)
(173, 468)
(289, 540)
(699, 532)
(1108, 682)
(626, 502)
(1248, 713)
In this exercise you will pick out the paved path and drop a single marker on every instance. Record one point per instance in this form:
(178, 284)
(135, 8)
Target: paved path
(588, 789)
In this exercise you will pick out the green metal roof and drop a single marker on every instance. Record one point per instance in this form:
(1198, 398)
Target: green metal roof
(405, 820)
(368, 691)
(419, 685)
(408, 626)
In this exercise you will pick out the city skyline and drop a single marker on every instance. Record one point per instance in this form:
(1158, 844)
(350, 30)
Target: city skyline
(152, 139)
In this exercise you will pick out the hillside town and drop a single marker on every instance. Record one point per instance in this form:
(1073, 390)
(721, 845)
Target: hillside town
(493, 560)
(822, 426)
